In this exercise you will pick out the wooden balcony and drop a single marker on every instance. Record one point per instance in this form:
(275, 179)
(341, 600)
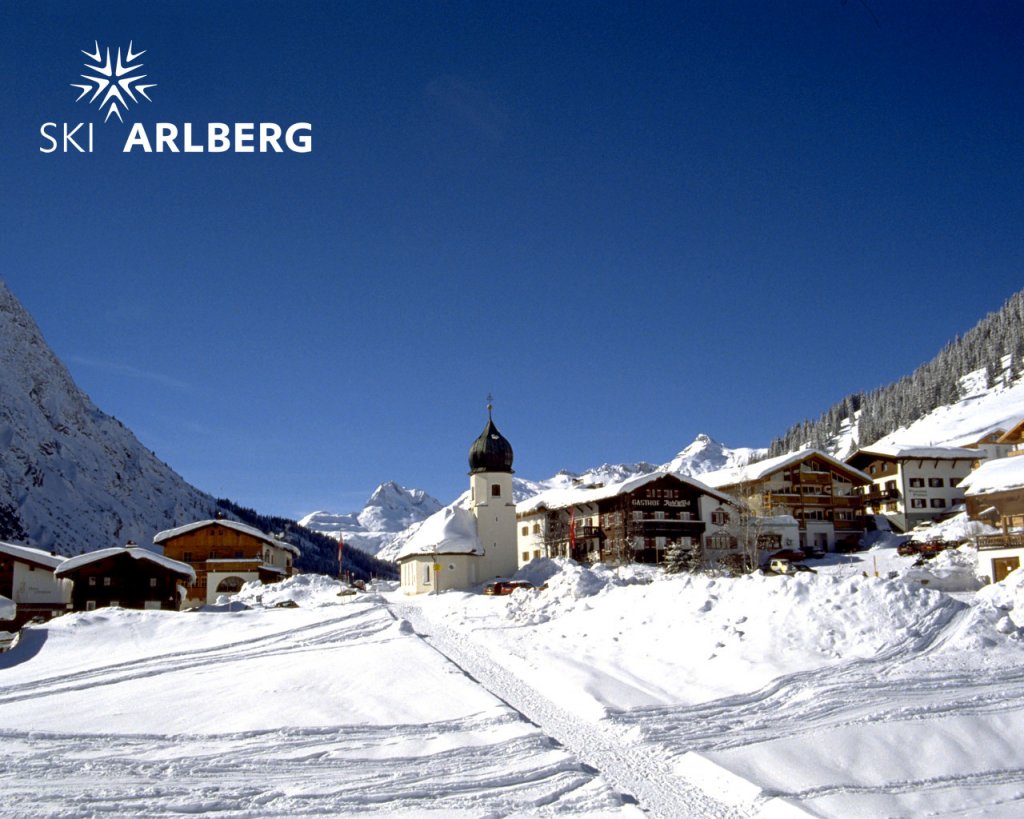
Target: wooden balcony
(1007, 541)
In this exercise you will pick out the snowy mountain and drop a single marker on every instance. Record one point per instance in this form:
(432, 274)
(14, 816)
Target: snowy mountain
(706, 454)
(391, 509)
(72, 478)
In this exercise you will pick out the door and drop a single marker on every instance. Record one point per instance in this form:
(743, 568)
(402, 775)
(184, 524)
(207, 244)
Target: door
(1002, 566)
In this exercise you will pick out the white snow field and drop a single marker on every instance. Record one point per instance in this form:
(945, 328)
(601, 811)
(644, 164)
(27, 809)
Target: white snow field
(611, 692)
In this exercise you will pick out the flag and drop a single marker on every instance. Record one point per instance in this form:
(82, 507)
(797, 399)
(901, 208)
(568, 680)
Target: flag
(572, 527)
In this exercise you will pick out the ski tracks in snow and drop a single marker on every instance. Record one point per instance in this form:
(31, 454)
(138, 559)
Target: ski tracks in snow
(641, 772)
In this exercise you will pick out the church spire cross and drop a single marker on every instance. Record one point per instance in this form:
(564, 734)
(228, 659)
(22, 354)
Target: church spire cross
(490, 404)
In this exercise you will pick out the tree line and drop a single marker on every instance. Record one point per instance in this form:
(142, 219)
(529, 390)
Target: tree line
(995, 345)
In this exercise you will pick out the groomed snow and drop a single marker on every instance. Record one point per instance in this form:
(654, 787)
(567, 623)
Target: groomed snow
(838, 693)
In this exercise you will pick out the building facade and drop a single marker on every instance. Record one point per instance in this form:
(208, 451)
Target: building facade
(912, 485)
(225, 555)
(26, 577)
(129, 577)
(637, 520)
(456, 548)
(818, 491)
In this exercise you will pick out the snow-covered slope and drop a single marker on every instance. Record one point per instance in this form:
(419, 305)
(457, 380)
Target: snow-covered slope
(72, 478)
(979, 413)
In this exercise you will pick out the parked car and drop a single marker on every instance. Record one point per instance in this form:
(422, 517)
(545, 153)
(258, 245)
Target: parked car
(499, 587)
(788, 554)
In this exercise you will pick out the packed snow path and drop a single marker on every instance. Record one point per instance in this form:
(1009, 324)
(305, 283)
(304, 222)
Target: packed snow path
(308, 711)
(642, 772)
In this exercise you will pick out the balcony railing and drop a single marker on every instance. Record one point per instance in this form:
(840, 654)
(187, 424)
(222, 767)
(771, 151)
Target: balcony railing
(1007, 541)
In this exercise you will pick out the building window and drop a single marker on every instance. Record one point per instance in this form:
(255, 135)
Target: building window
(90, 605)
(938, 503)
(916, 483)
(918, 503)
(106, 581)
(890, 486)
(659, 515)
(719, 517)
(526, 557)
(536, 552)
(426, 575)
(536, 528)
(92, 581)
(686, 516)
(638, 516)
(526, 530)
(187, 557)
(496, 490)
(936, 482)
(152, 582)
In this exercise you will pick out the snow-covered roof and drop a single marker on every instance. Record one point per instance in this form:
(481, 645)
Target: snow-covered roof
(449, 531)
(909, 452)
(31, 555)
(761, 469)
(995, 476)
(564, 497)
(167, 534)
(138, 553)
(8, 608)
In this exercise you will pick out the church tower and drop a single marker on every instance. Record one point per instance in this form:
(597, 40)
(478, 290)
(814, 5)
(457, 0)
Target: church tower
(491, 501)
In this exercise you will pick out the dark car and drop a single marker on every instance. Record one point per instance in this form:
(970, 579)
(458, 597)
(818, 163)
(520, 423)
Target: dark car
(499, 587)
(788, 554)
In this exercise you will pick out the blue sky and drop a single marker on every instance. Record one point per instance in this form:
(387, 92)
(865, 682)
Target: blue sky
(630, 222)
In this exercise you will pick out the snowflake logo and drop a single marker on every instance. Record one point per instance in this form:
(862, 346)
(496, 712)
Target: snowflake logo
(113, 83)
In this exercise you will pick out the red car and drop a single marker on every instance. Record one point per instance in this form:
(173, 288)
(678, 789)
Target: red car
(506, 586)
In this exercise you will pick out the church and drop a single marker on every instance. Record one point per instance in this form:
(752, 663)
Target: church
(458, 548)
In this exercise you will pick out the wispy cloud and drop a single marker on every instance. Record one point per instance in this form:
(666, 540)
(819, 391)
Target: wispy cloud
(128, 371)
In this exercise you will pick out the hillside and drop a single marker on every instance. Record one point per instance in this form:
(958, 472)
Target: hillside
(72, 478)
(988, 357)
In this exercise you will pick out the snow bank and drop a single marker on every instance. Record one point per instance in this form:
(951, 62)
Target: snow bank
(567, 583)
(952, 570)
(628, 642)
(955, 529)
(8, 609)
(306, 590)
(1001, 606)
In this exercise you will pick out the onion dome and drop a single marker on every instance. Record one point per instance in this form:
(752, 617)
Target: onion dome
(491, 452)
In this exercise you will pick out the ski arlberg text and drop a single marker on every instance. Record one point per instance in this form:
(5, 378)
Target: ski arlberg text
(218, 138)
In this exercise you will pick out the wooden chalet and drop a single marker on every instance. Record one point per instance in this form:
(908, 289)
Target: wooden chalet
(129, 577)
(636, 520)
(26, 577)
(1013, 439)
(225, 555)
(820, 492)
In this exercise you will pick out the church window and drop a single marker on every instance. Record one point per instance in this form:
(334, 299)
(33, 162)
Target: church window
(496, 490)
